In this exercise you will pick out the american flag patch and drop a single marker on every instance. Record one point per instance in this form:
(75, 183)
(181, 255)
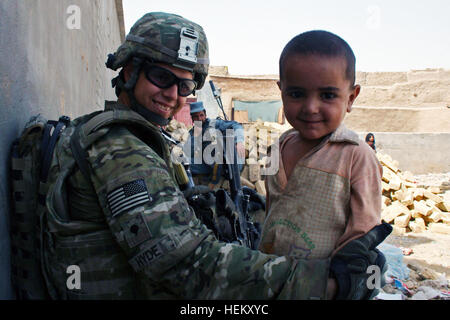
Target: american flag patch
(127, 197)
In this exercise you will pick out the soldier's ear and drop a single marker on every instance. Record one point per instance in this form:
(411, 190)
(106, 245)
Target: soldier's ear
(127, 71)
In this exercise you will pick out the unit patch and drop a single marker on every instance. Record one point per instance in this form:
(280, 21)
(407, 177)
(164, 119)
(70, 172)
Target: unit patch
(136, 231)
(127, 197)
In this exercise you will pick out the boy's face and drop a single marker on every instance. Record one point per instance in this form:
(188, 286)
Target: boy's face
(316, 94)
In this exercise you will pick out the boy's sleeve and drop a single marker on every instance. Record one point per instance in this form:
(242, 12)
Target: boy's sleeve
(365, 197)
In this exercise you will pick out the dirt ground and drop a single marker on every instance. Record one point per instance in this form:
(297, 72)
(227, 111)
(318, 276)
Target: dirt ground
(430, 250)
(427, 253)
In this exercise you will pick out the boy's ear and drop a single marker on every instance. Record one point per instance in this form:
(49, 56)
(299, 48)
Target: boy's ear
(279, 84)
(354, 92)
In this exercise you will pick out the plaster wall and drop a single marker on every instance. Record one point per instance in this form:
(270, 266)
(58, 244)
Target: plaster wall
(419, 153)
(53, 63)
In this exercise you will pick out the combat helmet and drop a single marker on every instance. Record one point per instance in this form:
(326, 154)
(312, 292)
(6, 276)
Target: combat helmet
(161, 37)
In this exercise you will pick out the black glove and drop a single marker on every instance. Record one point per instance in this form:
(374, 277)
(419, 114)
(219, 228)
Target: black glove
(203, 202)
(349, 265)
(225, 205)
(257, 201)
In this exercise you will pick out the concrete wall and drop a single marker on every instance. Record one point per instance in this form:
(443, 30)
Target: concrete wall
(48, 67)
(419, 153)
(416, 88)
(246, 89)
(407, 119)
(414, 101)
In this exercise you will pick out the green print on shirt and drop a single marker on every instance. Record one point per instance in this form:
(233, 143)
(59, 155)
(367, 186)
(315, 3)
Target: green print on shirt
(297, 229)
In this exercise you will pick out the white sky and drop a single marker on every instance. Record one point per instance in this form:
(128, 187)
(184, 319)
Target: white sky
(249, 35)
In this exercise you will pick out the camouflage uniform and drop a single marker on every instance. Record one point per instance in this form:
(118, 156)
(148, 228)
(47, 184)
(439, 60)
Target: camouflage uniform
(153, 247)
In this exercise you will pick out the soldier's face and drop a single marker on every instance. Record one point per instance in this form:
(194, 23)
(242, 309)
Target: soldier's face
(164, 102)
(199, 116)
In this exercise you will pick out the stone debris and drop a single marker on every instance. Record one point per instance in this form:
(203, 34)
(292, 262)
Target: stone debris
(422, 284)
(407, 206)
(259, 137)
(178, 130)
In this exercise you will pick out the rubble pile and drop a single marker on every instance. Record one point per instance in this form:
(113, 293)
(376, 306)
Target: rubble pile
(407, 206)
(178, 130)
(422, 284)
(259, 136)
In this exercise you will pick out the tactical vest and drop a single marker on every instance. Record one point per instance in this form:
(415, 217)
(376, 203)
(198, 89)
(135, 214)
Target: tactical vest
(62, 245)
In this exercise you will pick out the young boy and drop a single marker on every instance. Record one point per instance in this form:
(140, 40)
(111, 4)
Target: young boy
(328, 187)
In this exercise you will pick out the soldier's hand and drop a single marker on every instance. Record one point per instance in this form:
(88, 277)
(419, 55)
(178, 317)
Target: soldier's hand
(349, 266)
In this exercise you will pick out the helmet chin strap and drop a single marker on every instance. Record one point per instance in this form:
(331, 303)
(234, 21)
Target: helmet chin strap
(134, 104)
(147, 114)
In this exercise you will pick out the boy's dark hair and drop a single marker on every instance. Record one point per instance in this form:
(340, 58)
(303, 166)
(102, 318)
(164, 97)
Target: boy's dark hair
(322, 43)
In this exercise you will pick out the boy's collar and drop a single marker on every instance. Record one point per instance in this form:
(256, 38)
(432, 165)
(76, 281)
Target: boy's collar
(342, 134)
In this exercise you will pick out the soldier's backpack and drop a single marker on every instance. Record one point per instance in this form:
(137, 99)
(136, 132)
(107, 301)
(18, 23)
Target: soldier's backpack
(30, 157)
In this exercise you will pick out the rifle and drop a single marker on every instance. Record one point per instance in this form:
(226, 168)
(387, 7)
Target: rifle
(216, 94)
(245, 230)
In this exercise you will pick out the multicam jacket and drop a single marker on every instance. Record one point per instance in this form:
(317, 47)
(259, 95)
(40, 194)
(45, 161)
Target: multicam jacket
(332, 197)
(131, 233)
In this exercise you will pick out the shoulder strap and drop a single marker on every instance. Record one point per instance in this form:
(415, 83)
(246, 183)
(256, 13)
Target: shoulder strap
(87, 133)
(49, 140)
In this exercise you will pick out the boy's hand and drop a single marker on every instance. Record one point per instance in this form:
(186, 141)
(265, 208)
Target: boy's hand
(349, 265)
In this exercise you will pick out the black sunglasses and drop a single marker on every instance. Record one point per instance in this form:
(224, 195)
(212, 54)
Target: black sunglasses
(163, 78)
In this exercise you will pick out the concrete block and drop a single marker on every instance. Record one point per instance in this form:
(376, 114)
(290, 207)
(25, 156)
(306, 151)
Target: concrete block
(439, 228)
(398, 231)
(422, 208)
(444, 206)
(429, 195)
(254, 172)
(393, 211)
(260, 187)
(417, 226)
(402, 220)
(435, 190)
(385, 186)
(436, 216)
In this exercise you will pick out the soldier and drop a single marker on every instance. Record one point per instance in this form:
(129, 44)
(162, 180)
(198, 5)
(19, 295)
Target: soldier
(116, 213)
(201, 135)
